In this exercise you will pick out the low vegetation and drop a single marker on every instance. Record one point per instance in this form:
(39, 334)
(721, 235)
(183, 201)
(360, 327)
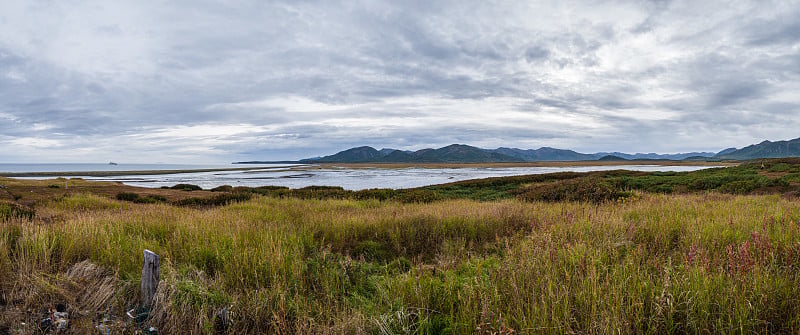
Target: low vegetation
(611, 252)
(776, 176)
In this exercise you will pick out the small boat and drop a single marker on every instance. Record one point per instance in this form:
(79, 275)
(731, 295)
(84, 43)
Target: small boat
(112, 163)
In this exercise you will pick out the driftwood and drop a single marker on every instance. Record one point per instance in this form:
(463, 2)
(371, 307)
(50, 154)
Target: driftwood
(149, 278)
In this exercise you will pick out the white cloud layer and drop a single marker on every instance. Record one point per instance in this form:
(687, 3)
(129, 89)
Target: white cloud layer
(187, 81)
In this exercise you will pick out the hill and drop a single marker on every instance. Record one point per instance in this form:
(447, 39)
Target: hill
(652, 155)
(766, 149)
(353, 155)
(545, 154)
(455, 153)
(460, 153)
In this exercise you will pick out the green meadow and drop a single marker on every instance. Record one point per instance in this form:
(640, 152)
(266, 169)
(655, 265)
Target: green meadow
(712, 251)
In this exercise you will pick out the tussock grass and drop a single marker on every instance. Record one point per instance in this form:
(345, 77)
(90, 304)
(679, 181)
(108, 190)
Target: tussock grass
(651, 263)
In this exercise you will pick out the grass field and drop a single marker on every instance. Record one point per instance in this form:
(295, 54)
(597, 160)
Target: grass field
(708, 252)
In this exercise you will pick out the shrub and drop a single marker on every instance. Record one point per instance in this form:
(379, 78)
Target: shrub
(223, 188)
(186, 187)
(148, 199)
(127, 196)
(151, 199)
(381, 194)
(321, 192)
(591, 189)
(217, 200)
(418, 196)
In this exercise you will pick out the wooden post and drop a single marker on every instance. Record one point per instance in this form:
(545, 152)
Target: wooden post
(149, 278)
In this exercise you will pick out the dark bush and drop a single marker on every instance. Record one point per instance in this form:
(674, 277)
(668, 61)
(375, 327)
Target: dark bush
(187, 187)
(127, 196)
(416, 195)
(321, 192)
(150, 199)
(272, 191)
(216, 200)
(223, 188)
(381, 194)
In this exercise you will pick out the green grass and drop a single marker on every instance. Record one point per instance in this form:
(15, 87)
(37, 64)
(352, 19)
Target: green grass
(652, 264)
(598, 253)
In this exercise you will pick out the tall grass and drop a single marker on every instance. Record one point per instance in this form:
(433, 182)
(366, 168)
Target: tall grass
(647, 264)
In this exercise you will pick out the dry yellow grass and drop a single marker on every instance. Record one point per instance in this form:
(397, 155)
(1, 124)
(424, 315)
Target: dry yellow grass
(648, 264)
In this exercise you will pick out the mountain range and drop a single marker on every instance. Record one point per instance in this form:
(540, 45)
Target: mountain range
(766, 149)
(461, 153)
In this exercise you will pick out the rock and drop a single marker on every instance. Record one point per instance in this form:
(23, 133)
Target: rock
(45, 325)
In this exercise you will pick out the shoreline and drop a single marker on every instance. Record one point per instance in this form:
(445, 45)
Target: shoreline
(367, 166)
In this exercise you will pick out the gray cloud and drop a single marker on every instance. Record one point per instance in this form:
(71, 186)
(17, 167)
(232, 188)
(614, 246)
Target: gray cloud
(221, 81)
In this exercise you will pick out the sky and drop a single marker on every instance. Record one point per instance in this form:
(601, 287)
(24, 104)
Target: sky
(184, 81)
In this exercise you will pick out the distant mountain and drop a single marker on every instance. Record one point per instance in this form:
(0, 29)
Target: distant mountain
(386, 151)
(353, 155)
(545, 154)
(460, 153)
(611, 158)
(455, 153)
(465, 153)
(678, 156)
(725, 151)
(766, 149)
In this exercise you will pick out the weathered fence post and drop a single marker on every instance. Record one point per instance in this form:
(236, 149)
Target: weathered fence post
(149, 278)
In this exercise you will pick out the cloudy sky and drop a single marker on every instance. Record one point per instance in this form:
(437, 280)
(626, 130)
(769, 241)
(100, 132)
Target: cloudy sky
(202, 81)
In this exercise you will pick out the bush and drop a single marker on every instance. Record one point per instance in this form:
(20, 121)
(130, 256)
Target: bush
(381, 194)
(321, 192)
(127, 196)
(223, 188)
(217, 200)
(148, 199)
(271, 191)
(151, 199)
(591, 189)
(187, 187)
(418, 196)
